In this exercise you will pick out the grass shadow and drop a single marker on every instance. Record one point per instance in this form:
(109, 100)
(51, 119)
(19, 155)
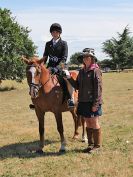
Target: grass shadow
(4, 89)
(22, 150)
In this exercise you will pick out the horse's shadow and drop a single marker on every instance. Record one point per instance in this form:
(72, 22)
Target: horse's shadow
(23, 150)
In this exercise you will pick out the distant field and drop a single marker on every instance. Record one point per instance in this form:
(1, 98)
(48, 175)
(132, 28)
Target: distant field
(19, 132)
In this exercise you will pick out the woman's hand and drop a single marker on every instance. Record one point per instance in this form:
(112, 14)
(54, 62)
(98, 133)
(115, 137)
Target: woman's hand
(94, 108)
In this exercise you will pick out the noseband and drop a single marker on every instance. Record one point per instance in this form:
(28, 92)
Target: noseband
(36, 86)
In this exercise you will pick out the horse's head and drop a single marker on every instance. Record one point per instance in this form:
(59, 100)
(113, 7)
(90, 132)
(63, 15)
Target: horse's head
(33, 73)
(38, 76)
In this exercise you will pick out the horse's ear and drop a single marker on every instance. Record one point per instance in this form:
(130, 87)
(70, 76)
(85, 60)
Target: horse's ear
(23, 58)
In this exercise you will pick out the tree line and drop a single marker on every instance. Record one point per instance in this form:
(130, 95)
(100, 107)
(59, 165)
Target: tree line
(119, 50)
(15, 42)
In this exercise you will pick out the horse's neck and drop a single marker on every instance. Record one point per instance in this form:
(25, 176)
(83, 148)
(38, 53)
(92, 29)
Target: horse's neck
(47, 81)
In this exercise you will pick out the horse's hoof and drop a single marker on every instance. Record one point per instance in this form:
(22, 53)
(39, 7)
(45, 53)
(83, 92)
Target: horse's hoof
(31, 106)
(84, 140)
(75, 137)
(62, 151)
(31, 149)
(40, 151)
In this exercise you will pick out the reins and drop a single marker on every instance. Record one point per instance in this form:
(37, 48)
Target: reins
(50, 76)
(46, 81)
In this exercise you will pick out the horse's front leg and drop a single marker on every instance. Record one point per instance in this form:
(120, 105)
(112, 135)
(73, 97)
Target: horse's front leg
(40, 116)
(60, 129)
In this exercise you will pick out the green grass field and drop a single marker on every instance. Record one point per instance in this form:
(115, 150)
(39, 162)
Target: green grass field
(19, 132)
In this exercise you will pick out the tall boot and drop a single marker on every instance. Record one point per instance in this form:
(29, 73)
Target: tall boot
(97, 139)
(89, 132)
(71, 103)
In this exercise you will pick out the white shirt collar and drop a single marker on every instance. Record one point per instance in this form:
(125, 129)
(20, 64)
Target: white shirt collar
(55, 41)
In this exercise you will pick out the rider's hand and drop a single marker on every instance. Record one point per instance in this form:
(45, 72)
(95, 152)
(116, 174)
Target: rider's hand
(65, 75)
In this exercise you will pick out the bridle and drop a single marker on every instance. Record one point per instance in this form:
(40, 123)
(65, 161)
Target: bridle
(38, 86)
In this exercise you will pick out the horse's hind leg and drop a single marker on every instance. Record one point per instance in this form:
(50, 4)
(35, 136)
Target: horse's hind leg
(75, 118)
(84, 138)
(60, 129)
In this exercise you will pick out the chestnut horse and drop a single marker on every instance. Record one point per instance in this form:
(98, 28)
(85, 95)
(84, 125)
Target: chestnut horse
(47, 95)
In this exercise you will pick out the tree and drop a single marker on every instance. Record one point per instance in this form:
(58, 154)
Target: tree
(107, 63)
(14, 42)
(73, 59)
(121, 49)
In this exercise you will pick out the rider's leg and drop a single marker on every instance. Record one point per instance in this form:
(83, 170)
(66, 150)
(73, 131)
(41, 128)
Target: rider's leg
(71, 92)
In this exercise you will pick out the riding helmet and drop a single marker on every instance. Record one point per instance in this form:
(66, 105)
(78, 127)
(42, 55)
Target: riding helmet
(56, 27)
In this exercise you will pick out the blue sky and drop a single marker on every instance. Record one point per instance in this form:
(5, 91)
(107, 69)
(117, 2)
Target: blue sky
(85, 23)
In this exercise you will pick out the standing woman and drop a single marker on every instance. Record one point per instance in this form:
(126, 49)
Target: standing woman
(89, 85)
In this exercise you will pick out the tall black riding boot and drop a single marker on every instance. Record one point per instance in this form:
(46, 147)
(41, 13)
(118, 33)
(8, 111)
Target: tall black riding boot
(97, 139)
(89, 132)
(90, 136)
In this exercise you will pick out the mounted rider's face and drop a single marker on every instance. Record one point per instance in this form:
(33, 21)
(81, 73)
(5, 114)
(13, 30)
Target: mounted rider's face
(55, 34)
